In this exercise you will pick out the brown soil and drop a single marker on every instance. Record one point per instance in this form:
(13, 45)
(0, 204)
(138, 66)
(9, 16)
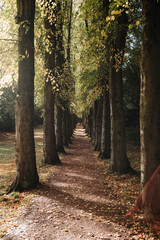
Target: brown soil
(73, 203)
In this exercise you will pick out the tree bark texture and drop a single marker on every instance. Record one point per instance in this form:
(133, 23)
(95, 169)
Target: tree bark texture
(50, 154)
(69, 33)
(98, 125)
(150, 90)
(94, 122)
(119, 161)
(59, 133)
(64, 129)
(105, 132)
(59, 66)
(26, 176)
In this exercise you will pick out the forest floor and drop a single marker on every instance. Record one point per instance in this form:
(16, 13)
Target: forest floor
(76, 200)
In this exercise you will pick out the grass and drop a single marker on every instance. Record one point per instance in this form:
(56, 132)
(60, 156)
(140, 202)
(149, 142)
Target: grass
(12, 206)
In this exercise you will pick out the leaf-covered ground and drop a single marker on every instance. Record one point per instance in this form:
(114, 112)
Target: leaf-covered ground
(78, 200)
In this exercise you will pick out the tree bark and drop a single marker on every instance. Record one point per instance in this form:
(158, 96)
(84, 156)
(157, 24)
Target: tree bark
(150, 90)
(59, 66)
(26, 176)
(64, 129)
(69, 34)
(59, 133)
(94, 122)
(119, 161)
(105, 133)
(50, 154)
(98, 125)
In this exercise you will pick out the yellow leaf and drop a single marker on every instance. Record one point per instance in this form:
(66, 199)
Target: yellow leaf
(107, 18)
(113, 12)
(112, 18)
(137, 23)
(130, 26)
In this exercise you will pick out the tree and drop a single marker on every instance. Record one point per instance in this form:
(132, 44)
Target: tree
(59, 68)
(119, 161)
(68, 76)
(150, 90)
(26, 176)
(105, 132)
(98, 125)
(50, 154)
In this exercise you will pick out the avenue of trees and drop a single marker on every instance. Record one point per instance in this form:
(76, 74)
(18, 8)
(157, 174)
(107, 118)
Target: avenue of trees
(95, 60)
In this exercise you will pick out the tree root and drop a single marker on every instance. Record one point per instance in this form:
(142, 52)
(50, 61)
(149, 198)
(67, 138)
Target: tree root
(15, 186)
(103, 155)
(128, 169)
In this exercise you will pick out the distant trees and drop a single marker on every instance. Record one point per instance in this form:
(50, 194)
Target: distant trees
(7, 109)
(110, 39)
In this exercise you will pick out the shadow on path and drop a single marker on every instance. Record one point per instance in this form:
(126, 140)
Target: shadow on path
(73, 203)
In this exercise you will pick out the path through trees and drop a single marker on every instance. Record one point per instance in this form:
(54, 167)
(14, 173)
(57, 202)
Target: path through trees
(74, 202)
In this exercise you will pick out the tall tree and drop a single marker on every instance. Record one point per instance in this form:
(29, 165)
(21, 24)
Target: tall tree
(59, 67)
(105, 131)
(150, 90)
(26, 176)
(68, 75)
(50, 154)
(119, 161)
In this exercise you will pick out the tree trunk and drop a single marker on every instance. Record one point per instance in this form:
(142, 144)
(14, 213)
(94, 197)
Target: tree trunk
(98, 125)
(68, 122)
(50, 154)
(94, 122)
(150, 90)
(119, 161)
(90, 123)
(105, 134)
(59, 66)
(64, 129)
(59, 134)
(69, 34)
(26, 176)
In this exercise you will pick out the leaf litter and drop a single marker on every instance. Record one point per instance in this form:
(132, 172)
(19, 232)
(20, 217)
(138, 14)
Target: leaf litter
(78, 200)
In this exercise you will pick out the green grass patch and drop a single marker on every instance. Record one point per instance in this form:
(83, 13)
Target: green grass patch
(12, 206)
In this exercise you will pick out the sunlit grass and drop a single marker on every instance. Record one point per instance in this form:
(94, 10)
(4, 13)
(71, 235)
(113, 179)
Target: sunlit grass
(13, 205)
(7, 159)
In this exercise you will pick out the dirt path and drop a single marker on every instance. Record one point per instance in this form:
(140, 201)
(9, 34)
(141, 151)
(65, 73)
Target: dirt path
(73, 204)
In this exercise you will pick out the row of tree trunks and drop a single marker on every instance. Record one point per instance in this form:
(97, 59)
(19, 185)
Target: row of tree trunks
(27, 176)
(97, 125)
(108, 135)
